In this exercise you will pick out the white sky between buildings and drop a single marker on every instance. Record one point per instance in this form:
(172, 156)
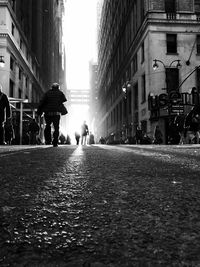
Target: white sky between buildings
(80, 35)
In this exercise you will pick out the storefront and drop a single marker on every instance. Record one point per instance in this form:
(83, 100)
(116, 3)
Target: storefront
(166, 107)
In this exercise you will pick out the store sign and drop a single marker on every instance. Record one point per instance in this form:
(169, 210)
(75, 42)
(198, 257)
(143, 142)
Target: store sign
(177, 109)
(173, 98)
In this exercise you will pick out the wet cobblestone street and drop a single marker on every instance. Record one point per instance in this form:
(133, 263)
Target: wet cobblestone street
(95, 206)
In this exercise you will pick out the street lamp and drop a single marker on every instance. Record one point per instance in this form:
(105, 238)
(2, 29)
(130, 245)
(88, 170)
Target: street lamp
(156, 65)
(125, 88)
(171, 84)
(2, 62)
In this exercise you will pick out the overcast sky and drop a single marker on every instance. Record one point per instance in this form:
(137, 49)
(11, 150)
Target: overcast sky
(80, 41)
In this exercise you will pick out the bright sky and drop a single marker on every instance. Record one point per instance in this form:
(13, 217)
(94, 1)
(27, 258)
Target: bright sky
(80, 41)
(80, 37)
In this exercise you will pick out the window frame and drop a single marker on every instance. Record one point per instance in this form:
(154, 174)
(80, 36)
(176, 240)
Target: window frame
(171, 45)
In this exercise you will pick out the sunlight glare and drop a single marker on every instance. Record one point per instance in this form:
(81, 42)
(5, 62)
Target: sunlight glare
(78, 114)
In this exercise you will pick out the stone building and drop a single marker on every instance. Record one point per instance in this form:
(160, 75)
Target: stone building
(30, 46)
(31, 49)
(148, 50)
(93, 68)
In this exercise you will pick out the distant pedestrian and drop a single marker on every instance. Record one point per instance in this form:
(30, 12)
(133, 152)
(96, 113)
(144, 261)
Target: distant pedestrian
(102, 140)
(33, 129)
(84, 133)
(91, 138)
(138, 135)
(51, 105)
(158, 136)
(5, 113)
(77, 137)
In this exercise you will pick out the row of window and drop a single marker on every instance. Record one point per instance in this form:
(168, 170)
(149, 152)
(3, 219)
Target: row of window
(12, 91)
(170, 6)
(12, 67)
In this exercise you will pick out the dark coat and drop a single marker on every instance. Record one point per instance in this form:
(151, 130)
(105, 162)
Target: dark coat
(5, 111)
(51, 101)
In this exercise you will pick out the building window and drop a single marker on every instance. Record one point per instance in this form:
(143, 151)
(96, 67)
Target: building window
(198, 79)
(143, 91)
(197, 6)
(171, 43)
(13, 29)
(11, 63)
(198, 44)
(134, 65)
(20, 93)
(11, 89)
(129, 102)
(172, 79)
(26, 82)
(20, 74)
(125, 107)
(170, 6)
(135, 96)
(12, 2)
(142, 52)
(21, 44)
(120, 111)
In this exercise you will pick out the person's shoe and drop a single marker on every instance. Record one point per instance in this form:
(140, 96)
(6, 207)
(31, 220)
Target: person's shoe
(55, 145)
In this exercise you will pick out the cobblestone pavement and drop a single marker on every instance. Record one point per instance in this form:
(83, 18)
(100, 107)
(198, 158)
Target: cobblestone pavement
(95, 206)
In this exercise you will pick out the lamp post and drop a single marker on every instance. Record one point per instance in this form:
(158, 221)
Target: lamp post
(170, 99)
(169, 70)
(125, 88)
(156, 65)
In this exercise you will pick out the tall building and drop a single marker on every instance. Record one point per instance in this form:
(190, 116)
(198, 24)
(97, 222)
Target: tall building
(31, 47)
(135, 36)
(93, 103)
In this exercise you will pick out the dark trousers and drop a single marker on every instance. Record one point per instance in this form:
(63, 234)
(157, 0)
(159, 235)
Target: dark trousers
(1, 133)
(55, 119)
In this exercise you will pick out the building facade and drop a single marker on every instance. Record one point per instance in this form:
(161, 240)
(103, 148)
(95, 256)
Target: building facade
(93, 103)
(31, 47)
(148, 50)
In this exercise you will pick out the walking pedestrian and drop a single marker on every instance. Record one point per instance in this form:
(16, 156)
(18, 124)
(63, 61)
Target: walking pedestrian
(138, 135)
(5, 113)
(33, 129)
(51, 104)
(158, 136)
(84, 133)
(91, 138)
(77, 137)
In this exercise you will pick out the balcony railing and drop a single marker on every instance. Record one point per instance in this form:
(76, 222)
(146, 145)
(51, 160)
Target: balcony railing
(171, 16)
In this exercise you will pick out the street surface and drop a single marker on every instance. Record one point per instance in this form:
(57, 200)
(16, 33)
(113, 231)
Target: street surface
(100, 205)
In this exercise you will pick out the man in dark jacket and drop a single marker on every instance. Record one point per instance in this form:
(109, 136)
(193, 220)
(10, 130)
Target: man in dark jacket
(51, 106)
(5, 113)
